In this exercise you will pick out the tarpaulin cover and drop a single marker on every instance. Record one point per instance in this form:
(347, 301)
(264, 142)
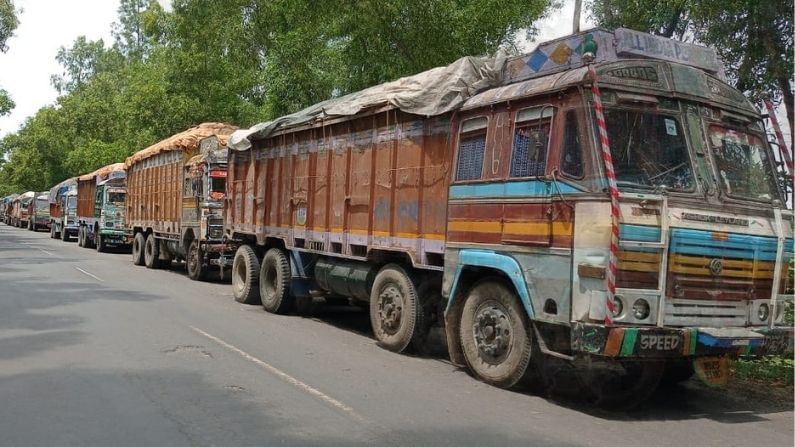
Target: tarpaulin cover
(62, 187)
(430, 93)
(188, 139)
(103, 172)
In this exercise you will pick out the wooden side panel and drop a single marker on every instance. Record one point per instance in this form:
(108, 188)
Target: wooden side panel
(374, 182)
(86, 192)
(154, 193)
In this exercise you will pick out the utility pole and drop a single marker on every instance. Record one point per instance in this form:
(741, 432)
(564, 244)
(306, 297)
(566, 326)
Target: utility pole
(575, 28)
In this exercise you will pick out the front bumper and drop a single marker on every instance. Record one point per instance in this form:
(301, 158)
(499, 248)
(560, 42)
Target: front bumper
(113, 236)
(656, 342)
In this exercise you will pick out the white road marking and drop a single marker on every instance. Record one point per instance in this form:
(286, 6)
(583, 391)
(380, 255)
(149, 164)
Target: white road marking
(286, 377)
(37, 248)
(89, 274)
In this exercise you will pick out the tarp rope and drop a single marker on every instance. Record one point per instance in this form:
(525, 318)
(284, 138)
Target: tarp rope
(612, 189)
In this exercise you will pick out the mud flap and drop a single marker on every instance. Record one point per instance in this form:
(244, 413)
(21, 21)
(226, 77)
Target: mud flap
(713, 371)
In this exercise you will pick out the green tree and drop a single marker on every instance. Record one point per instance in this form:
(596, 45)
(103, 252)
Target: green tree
(8, 23)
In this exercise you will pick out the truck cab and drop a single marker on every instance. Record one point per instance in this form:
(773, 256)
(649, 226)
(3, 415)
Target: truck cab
(204, 193)
(63, 210)
(102, 197)
(39, 211)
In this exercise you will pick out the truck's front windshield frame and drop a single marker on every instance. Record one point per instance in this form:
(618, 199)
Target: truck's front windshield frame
(732, 147)
(650, 149)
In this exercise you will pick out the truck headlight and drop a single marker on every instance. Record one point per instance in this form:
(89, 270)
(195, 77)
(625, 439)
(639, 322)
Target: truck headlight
(618, 305)
(641, 309)
(763, 312)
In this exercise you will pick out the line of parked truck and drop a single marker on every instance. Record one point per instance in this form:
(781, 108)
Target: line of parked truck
(470, 199)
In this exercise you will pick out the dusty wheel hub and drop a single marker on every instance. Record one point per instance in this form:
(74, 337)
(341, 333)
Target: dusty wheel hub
(492, 331)
(390, 309)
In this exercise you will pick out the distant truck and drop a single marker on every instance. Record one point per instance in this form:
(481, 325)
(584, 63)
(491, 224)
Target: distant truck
(39, 212)
(5, 208)
(101, 197)
(175, 199)
(63, 209)
(19, 209)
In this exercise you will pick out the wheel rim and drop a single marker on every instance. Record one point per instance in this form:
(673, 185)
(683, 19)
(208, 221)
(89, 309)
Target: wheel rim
(492, 330)
(239, 278)
(390, 308)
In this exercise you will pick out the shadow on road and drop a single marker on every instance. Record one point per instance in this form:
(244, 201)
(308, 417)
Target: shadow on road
(41, 305)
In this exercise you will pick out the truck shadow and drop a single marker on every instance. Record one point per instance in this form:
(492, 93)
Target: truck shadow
(36, 312)
(689, 400)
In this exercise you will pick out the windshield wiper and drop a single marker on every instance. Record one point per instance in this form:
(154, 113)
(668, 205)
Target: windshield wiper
(629, 184)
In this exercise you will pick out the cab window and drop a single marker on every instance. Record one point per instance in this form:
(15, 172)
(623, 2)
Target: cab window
(471, 146)
(530, 141)
(571, 158)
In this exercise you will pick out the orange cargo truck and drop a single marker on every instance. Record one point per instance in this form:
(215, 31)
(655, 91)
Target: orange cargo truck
(487, 210)
(175, 193)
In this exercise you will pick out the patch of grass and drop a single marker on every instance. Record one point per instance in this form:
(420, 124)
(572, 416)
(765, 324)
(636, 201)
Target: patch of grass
(772, 369)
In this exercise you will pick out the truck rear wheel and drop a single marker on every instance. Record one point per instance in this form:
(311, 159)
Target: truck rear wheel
(495, 334)
(395, 311)
(245, 276)
(151, 252)
(195, 262)
(138, 249)
(274, 282)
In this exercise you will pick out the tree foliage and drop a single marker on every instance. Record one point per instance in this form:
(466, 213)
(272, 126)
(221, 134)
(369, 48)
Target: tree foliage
(239, 61)
(8, 23)
(753, 38)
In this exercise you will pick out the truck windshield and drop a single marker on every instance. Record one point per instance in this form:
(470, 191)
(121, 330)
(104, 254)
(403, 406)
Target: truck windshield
(743, 166)
(42, 204)
(116, 198)
(217, 188)
(71, 202)
(649, 150)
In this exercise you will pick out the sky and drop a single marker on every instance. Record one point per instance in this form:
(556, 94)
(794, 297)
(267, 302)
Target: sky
(46, 25)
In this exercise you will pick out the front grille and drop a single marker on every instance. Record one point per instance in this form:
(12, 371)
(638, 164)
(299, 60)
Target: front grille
(700, 313)
(720, 266)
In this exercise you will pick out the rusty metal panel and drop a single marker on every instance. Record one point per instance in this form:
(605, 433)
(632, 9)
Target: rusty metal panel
(86, 196)
(374, 182)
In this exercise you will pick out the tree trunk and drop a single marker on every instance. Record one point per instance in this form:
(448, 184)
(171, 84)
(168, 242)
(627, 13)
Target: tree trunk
(786, 94)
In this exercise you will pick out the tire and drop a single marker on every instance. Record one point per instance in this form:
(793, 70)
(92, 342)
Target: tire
(620, 386)
(194, 262)
(677, 371)
(395, 310)
(495, 335)
(138, 249)
(81, 237)
(64, 234)
(100, 243)
(34, 228)
(274, 282)
(151, 252)
(52, 231)
(245, 276)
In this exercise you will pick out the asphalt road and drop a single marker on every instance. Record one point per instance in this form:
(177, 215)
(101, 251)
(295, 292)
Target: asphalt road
(97, 351)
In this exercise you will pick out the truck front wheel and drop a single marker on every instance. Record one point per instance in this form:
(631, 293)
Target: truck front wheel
(274, 282)
(395, 310)
(151, 252)
(64, 234)
(245, 276)
(99, 243)
(138, 249)
(195, 262)
(495, 334)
